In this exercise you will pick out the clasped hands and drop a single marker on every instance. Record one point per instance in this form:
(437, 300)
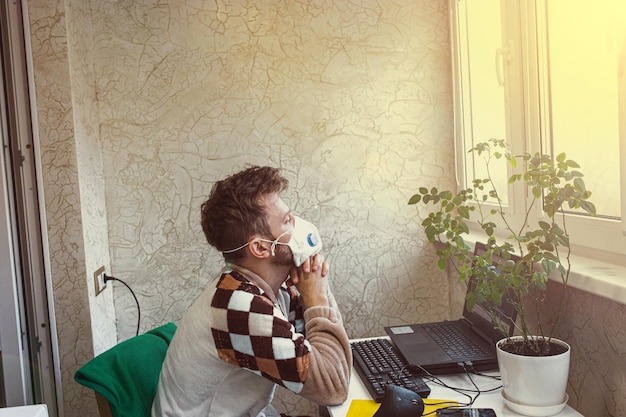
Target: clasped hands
(310, 280)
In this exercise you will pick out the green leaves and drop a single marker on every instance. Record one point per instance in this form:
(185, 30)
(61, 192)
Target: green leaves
(415, 199)
(556, 181)
(441, 264)
(431, 233)
(589, 207)
(463, 211)
(543, 248)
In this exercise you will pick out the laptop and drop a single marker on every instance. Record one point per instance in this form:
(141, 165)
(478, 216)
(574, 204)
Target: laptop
(443, 347)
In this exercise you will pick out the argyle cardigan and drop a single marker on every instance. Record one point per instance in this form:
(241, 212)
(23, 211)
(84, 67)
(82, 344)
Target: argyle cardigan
(252, 333)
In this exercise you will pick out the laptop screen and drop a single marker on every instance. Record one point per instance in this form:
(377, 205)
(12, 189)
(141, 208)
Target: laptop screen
(479, 315)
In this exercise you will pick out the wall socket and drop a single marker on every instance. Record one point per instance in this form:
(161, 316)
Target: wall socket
(98, 280)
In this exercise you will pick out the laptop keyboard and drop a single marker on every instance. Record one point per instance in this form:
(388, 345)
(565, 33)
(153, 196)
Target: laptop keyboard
(454, 342)
(378, 364)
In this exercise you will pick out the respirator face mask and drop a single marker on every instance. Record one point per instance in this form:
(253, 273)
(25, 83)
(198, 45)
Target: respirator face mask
(305, 241)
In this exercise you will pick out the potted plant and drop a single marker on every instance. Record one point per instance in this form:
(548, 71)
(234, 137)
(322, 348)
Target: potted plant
(542, 249)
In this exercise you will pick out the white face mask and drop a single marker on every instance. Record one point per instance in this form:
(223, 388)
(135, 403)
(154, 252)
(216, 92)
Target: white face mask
(305, 241)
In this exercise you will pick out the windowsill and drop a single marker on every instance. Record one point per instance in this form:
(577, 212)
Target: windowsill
(594, 277)
(599, 278)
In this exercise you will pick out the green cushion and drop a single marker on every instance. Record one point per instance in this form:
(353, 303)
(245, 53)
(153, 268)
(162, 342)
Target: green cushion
(127, 374)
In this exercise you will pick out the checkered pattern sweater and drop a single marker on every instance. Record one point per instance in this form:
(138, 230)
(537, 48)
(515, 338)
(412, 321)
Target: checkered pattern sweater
(251, 332)
(238, 342)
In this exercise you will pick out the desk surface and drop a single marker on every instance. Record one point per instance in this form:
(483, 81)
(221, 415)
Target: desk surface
(492, 399)
(40, 410)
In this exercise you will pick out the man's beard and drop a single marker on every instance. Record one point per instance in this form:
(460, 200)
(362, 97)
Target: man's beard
(282, 256)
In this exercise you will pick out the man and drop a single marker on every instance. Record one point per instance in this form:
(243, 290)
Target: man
(268, 320)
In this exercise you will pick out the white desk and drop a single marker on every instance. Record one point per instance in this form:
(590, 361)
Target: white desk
(485, 400)
(40, 410)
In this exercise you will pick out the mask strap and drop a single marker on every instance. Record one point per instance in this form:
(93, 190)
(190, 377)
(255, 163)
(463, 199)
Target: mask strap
(273, 242)
(276, 242)
(236, 249)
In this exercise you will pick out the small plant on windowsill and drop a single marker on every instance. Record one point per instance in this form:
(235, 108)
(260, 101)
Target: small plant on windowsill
(543, 247)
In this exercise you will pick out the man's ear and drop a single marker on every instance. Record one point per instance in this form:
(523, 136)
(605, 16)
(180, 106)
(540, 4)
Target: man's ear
(260, 248)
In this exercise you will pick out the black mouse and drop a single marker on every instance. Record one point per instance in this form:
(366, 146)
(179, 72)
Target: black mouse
(400, 402)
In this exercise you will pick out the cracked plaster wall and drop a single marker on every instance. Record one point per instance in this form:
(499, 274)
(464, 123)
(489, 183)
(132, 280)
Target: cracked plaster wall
(352, 100)
(142, 105)
(594, 328)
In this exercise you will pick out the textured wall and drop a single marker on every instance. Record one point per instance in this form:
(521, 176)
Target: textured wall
(73, 185)
(594, 328)
(89, 165)
(148, 103)
(58, 149)
(351, 99)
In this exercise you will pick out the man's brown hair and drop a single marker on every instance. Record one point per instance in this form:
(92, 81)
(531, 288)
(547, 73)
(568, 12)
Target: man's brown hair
(234, 210)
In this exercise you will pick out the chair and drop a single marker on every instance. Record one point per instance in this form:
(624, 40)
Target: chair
(125, 377)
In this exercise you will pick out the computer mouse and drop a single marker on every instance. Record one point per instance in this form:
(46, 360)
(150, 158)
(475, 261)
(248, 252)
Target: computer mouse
(400, 402)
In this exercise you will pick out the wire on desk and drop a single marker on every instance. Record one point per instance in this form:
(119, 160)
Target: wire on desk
(475, 372)
(466, 366)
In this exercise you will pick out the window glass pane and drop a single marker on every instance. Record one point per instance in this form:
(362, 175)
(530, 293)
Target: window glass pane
(483, 94)
(583, 50)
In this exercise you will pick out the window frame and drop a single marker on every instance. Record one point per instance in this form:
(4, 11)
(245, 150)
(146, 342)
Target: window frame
(528, 119)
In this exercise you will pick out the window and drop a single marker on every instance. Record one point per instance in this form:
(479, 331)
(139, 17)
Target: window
(548, 77)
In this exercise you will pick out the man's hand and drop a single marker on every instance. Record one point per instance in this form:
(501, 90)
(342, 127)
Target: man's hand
(310, 280)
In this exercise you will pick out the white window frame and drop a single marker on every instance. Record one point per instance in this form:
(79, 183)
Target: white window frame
(528, 120)
(515, 131)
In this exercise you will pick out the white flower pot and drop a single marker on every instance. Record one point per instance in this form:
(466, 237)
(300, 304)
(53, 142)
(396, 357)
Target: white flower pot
(534, 381)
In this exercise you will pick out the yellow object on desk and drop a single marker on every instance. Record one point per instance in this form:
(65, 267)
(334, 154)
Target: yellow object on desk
(367, 408)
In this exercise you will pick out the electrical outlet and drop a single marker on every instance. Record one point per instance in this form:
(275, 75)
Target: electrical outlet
(98, 280)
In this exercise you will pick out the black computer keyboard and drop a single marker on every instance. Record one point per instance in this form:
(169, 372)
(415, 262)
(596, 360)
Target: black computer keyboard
(455, 342)
(378, 364)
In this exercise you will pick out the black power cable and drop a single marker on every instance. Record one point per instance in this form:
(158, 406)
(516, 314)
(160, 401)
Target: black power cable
(469, 370)
(110, 278)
